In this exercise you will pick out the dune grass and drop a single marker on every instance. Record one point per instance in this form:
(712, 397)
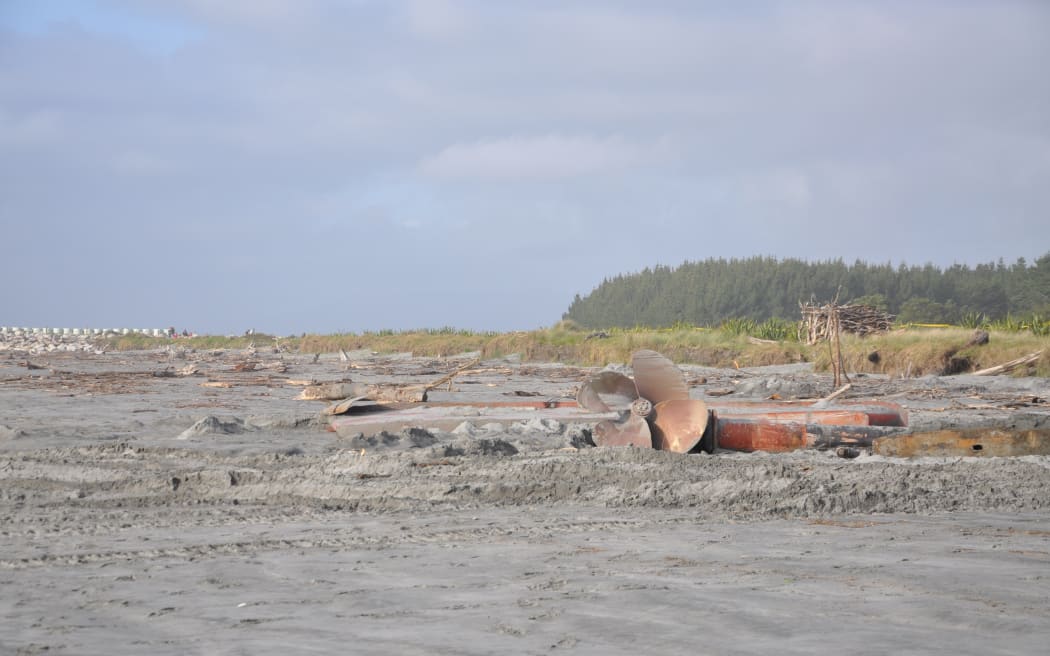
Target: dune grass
(923, 351)
(913, 351)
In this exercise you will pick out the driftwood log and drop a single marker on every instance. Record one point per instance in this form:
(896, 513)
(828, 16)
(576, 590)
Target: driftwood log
(1009, 366)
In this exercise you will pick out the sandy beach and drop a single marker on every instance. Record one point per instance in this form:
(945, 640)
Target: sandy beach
(150, 512)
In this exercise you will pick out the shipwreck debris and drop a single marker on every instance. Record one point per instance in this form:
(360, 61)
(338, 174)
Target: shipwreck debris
(654, 409)
(672, 421)
(847, 452)
(662, 415)
(971, 442)
(748, 435)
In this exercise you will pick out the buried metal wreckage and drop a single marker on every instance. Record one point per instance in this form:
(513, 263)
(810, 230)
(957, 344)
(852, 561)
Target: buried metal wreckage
(654, 410)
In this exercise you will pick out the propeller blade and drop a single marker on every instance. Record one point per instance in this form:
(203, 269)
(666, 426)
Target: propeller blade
(657, 378)
(606, 390)
(633, 431)
(588, 399)
(678, 425)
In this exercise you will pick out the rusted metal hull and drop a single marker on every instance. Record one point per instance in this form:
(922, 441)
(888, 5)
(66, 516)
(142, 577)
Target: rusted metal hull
(678, 426)
(822, 417)
(973, 442)
(787, 426)
(873, 413)
(879, 413)
(737, 434)
(679, 423)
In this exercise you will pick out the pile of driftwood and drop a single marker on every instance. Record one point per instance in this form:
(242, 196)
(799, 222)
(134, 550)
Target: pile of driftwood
(822, 322)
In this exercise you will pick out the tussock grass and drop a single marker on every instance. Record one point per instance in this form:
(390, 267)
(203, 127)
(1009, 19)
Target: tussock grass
(917, 351)
(203, 342)
(922, 352)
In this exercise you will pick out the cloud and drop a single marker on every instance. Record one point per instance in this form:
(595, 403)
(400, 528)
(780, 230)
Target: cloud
(36, 127)
(139, 162)
(441, 20)
(254, 14)
(548, 157)
(422, 135)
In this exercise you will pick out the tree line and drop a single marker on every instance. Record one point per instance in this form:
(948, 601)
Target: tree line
(708, 292)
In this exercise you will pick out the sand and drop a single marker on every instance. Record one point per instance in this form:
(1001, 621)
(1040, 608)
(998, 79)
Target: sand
(144, 513)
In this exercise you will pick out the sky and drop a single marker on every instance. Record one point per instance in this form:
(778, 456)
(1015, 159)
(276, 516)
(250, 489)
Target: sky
(340, 166)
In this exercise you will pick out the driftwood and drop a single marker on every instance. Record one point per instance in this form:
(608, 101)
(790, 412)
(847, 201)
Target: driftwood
(350, 394)
(758, 340)
(818, 321)
(343, 406)
(397, 393)
(448, 377)
(1008, 366)
(836, 394)
(332, 391)
(371, 391)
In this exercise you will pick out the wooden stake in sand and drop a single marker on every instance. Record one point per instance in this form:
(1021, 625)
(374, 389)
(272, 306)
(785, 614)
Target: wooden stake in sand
(834, 327)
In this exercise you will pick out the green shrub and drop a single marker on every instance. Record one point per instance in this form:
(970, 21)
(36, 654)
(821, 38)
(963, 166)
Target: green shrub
(776, 329)
(973, 320)
(1039, 326)
(738, 327)
(1008, 324)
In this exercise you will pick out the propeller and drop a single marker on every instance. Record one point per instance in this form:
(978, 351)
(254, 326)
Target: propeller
(655, 408)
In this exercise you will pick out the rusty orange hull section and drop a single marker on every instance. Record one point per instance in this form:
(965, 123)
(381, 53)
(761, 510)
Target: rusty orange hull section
(737, 434)
(751, 435)
(846, 413)
(880, 413)
(800, 416)
(973, 442)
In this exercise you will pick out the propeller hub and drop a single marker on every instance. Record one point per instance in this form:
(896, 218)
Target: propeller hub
(641, 408)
